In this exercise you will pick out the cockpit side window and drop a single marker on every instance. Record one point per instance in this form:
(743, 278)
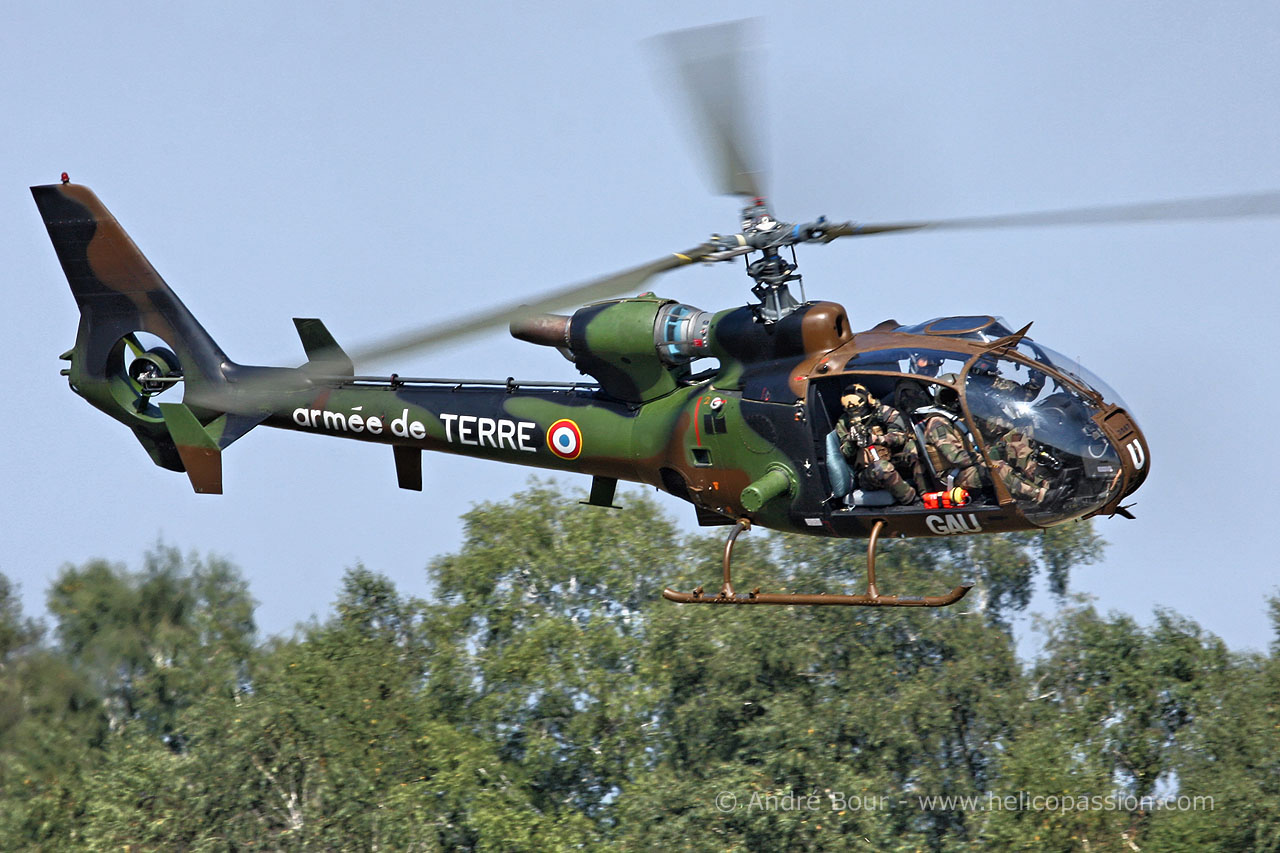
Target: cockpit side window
(1022, 421)
(927, 439)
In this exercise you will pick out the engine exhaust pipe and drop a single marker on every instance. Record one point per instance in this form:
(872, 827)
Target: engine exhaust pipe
(548, 330)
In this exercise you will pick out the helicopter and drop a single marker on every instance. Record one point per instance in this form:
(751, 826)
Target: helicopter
(752, 440)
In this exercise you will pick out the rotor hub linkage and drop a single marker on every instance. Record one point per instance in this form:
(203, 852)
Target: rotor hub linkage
(872, 597)
(772, 273)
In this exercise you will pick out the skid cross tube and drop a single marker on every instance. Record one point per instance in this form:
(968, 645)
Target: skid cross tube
(872, 597)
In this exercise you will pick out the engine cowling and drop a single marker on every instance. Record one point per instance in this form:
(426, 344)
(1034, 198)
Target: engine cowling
(638, 349)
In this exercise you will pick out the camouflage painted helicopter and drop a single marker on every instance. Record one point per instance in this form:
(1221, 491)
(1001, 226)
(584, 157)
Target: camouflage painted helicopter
(748, 440)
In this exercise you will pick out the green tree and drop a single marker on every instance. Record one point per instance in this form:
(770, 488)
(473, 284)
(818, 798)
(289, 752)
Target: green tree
(550, 640)
(1118, 722)
(151, 640)
(19, 636)
(861, 711)
(50, 722)
(131, 652)
(538, 635)
(1230, 754)
(548, 698)
(334, 745)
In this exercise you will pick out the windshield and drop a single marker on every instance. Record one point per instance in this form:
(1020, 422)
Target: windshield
(1045, 355)
(988, 328)
(1040, 437)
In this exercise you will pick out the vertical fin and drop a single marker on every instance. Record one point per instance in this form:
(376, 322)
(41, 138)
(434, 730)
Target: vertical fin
(116, 288)
(229, 428)
(324, 356)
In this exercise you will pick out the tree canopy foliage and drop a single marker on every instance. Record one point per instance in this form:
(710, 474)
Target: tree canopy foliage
(545, 698)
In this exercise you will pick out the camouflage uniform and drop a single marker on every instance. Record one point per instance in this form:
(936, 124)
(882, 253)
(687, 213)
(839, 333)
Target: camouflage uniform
(1013, 460)
(948, 452)
(894, 432)
(989, 379)
(989, 394)
(888, 446)
(900, 438)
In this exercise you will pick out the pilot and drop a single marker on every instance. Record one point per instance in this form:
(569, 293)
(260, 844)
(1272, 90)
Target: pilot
(952, 459)
(925, 364)
(910, 395)
(1024, 470)
(872, 435)
(912, 399)
(986, 375)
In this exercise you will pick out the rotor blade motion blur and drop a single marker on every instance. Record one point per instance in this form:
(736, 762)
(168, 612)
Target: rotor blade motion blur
(257, 388)
(1178, 210)
(438, 334)
(709, 68)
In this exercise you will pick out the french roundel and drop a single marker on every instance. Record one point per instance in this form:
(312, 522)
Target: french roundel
(565, 439)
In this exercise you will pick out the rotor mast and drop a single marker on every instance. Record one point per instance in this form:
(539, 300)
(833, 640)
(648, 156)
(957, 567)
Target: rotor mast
(771, 273)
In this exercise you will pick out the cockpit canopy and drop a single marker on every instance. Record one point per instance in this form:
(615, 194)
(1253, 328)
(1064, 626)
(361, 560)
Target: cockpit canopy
(1039, 432)
(987, 329)
(980, 327)
(1030, 414)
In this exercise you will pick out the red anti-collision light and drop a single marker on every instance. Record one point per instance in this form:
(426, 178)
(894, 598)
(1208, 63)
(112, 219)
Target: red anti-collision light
(66, 179)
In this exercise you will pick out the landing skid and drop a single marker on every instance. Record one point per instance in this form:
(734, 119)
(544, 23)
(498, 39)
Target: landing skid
(872, 597)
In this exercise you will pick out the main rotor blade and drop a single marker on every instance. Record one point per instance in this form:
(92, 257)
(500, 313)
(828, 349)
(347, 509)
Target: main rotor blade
(441, 333)
(260, 388)
(1178, 210)
(709, 64)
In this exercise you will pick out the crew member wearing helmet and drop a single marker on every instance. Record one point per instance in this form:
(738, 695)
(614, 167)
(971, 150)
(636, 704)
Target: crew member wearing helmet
(911, 395)
(985, 374)
(953, 461)
(926, 364)
(876, 441)
(1024, 470)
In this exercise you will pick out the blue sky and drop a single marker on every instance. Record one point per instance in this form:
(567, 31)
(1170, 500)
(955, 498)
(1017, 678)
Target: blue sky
(382, 165)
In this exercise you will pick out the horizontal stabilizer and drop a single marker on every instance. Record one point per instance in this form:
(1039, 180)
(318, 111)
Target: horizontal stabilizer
(229, 428)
